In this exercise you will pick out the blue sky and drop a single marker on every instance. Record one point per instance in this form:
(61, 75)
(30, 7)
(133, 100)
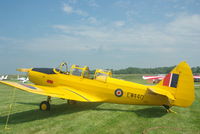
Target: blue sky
(98, 33)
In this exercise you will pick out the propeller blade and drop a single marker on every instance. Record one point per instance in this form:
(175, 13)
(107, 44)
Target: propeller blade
(24, 69)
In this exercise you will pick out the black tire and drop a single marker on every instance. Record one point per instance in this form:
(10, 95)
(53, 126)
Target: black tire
(45, 106)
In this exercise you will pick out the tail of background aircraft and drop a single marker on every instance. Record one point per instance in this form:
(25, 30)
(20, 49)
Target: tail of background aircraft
(180, 83)
(5, 77)
(1, 78)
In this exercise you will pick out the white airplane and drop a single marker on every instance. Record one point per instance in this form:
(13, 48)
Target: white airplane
(23, 79)
(4, 77)
(154, 79)
(196, 76)
(1, 78)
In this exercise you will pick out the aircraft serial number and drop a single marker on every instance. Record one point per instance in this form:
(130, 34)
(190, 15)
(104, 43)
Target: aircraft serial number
(135, 96)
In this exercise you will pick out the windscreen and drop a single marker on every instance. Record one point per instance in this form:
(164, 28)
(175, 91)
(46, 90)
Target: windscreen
(76, 72)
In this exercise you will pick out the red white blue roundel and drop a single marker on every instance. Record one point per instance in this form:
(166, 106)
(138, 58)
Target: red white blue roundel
(118, 92)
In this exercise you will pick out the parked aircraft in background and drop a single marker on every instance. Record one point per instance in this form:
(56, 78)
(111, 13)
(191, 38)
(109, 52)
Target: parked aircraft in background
(22, 79)
(154, 79)
(196, 78)
(176, 89)
(158, 78)
(4, 77)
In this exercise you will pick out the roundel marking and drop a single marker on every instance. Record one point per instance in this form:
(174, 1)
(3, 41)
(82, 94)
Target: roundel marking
(118, 92)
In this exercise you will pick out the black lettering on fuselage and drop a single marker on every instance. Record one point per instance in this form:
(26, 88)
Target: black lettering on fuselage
(135, 96)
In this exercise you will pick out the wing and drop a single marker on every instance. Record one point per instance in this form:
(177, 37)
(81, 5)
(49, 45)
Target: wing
(150, 77)
(59, 91)
(196, 77)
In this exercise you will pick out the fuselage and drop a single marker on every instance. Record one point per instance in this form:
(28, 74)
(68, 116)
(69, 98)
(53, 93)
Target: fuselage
(110, 89)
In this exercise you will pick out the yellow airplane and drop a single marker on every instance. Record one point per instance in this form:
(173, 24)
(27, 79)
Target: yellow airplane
(176, 89)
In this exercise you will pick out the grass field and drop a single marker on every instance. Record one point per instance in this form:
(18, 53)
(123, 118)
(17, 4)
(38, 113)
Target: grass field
(93, 118)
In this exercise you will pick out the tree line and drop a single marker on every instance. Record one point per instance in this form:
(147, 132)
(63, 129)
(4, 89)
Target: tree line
(157, 70)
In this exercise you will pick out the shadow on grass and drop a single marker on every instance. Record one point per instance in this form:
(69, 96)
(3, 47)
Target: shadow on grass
(150, 112)
(25, 103)
(56, 110)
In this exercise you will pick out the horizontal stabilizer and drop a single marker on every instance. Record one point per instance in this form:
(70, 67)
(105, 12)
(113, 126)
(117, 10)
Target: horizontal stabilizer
(159, 91)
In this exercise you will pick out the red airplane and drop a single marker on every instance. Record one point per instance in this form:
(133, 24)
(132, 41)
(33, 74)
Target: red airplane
(157, 78)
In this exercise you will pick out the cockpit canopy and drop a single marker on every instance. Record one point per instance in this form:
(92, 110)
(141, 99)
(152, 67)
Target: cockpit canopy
(63, 68)
(84, 72)
(80, 71)
(102, 75)
(101, 72)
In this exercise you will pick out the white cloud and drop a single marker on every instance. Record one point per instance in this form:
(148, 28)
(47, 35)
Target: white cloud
(185, 25)
(72, 1)
(10, 41)
(80, 12)
(106, 44)
(169, 15)
(70, 10)
(123, 4)
(143, 35)
(92, 20)
(131, 14)
(119, 23)
(175, 38)
(2, 38)
(93, 3)
(83, 31)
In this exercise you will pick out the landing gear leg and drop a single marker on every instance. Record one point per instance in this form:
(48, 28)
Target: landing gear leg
(71, 102)
(168, 109)
(45, 105)
(49, 99)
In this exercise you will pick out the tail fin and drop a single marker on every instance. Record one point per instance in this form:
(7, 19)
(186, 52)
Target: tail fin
(180, 83)
(5, 77)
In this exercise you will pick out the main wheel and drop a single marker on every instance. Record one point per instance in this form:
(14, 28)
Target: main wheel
(45, 106)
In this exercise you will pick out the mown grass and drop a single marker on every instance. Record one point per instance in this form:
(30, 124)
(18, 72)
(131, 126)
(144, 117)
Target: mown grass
(93, 118)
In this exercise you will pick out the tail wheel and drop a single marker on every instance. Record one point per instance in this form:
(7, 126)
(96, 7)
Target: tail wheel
(45, 106)
(71, 101)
